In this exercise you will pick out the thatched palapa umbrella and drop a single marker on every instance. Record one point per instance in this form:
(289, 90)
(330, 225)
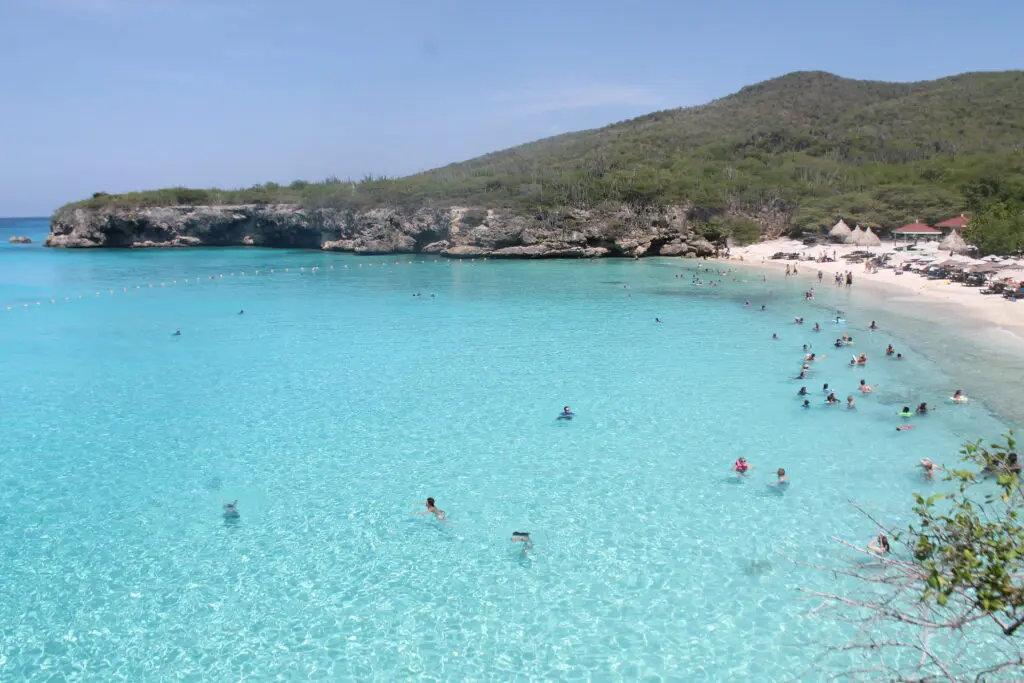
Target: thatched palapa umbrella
(868, 239)
(840, 231)
(954, 243)
(854, 236)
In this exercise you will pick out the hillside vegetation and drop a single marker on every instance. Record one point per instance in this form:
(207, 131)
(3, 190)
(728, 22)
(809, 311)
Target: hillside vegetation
(809, 144)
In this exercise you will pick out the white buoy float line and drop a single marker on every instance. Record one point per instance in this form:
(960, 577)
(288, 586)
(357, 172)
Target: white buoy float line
(219, 276)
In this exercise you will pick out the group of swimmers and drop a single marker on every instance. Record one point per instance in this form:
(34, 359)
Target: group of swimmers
(517, 536)
(742, 467)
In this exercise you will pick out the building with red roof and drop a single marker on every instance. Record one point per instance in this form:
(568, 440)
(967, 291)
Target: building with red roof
(954, 223)
(916, 229)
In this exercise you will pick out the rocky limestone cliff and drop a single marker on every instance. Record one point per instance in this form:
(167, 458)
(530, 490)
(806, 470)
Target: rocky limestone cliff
(455, 232)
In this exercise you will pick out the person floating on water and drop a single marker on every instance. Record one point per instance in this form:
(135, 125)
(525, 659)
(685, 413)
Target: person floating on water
(741, 466)
(432, 509)
(231, 510)
(524, 538)
(904, 428)
(880, 545)
(906, 412)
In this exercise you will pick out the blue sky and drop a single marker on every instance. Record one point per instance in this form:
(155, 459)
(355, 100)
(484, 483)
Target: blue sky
(116, 95)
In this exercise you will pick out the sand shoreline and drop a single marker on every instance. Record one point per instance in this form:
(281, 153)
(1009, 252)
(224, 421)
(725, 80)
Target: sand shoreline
(977, 339)
(909, 294)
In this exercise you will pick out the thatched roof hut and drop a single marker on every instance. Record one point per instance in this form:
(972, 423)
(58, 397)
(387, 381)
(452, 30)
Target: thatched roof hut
(840, 231)
(954, 243)
(868, 239)
(854, 236)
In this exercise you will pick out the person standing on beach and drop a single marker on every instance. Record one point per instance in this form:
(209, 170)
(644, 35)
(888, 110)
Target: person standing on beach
(849, 279)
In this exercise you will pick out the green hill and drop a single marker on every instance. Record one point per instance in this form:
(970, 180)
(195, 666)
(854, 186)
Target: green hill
(810, 145)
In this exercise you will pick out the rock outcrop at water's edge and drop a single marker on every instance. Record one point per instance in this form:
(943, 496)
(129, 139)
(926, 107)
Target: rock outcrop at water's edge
(453, 232)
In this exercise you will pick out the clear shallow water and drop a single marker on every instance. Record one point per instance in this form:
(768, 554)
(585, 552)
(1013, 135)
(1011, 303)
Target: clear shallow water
(338, 399)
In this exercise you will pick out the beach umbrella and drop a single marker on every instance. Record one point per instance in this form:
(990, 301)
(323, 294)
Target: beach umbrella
(868, 239)
(853, 236)
(954, 243)
(840, 231)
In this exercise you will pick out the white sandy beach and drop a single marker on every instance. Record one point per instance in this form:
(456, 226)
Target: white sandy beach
(908, 293)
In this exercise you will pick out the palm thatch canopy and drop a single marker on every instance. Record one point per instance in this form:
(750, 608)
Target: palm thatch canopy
(868, 239)
(853, 236)
(955, 243)
(840, 230)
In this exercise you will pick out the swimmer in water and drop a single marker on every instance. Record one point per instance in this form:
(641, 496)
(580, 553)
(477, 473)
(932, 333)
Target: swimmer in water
(899, 356)
(817, 327)
(433, 510)
(831, 400)
(802, 375)
(782, 479)
(922, 409)
(959, 396)
(745, 304)
(657, 320)
(241, 312)
(524, 538)
(802, 392)
(865, 388)
(825, 389)
(566, 411)
(929, 467)
(850, 403)
(904, 428)
(231, 510)
(763, 307)
(880, 545)
(873, 326)
(889, 350)
(774, 336)
(177, 333)
(807, 404)
(838, 344)
(741, 466)
(805, 348)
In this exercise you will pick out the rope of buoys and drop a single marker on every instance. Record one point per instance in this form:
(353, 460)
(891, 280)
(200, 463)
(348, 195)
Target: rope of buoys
(199, 279)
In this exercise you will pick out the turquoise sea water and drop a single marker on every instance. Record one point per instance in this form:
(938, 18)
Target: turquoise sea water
(338, 400)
